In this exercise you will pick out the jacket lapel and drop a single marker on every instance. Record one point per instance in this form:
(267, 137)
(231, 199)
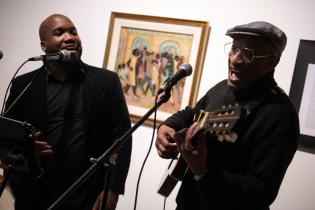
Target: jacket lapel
(39, 99)
(87, 94)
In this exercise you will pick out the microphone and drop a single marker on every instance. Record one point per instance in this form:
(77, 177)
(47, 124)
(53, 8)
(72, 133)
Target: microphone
(183, 71)
(63, 55)
(1, 54)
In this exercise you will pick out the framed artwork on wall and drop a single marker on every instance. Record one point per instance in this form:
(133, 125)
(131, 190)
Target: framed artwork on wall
(147, 50)
(302, 93)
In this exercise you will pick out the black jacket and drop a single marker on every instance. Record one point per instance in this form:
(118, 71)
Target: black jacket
(246, 174)
(106, 118)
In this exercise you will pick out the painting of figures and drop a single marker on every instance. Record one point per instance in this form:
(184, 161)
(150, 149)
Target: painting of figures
(145, 51)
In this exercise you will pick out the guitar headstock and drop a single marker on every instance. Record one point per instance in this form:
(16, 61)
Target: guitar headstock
(219, 122)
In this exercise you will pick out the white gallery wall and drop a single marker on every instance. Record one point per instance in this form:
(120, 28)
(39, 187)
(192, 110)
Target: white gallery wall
(19, 21)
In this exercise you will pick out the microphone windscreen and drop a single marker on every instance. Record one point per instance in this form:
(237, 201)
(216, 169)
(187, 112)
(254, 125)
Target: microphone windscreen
(187, 68)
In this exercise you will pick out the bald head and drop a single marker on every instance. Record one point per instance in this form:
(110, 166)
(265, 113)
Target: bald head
(57, 32)
(49, 22)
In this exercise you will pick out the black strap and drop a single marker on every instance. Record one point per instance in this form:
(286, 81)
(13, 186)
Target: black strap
(255, 104)
(252, 107)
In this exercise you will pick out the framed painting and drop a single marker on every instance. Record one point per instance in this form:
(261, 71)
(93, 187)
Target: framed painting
(302, 93)
(147, 50)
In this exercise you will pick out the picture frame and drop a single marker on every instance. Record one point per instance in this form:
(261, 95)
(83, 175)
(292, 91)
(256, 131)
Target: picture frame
(302, 93)
(146, 50)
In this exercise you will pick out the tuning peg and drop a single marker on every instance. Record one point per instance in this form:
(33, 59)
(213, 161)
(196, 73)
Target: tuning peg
(227, 137)
(232, 137)
(220, 138)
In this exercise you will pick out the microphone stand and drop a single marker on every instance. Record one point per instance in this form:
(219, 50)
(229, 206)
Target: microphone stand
(101, 161)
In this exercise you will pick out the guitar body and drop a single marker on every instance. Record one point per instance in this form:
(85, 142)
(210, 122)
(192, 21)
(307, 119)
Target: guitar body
(175, 172)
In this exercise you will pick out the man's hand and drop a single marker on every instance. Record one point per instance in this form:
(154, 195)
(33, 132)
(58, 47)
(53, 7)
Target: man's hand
(195, 156)
(111, 202)
(42, 147)
(165, 143)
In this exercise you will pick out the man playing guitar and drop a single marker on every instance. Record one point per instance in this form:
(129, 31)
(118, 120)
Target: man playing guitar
(245, 173)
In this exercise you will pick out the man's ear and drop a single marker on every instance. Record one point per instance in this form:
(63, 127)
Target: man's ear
(43, 45)
(275, 60)
(272, 62)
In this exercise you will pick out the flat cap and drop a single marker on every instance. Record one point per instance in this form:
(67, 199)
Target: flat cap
(263, 29)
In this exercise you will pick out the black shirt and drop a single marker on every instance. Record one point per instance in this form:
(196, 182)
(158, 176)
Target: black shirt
(65, 127)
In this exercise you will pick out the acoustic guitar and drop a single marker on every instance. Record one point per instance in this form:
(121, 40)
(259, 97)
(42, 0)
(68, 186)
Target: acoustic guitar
(219, 123)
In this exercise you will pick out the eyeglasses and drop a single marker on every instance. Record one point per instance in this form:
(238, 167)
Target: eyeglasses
(247, 55)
